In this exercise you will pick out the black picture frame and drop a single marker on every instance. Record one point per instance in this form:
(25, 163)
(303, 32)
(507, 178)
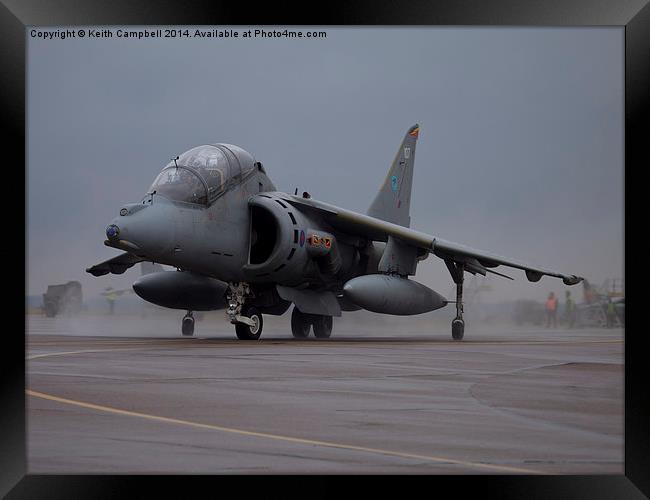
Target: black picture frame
(633, 15)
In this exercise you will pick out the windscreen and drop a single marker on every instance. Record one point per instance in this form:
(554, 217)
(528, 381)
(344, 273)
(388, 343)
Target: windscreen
(180, 184)
(204, 167)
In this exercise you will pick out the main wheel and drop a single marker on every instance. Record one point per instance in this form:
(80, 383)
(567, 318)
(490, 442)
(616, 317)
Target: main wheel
(247, 332)
(187, 326)
(457, 329)
(322, 326)
(300, 324)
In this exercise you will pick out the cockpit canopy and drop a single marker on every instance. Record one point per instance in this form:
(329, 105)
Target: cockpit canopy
(201, 174)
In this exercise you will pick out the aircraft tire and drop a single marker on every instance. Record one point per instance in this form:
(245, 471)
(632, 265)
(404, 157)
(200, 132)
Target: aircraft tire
(187, 326)
(245, 332)
(457, 329)
(300, 324)
(322, 326)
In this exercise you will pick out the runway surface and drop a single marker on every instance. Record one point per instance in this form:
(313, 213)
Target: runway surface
(111, 395)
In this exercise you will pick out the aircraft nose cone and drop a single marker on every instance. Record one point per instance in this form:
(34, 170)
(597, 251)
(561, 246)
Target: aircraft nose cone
(112, 232)
(145, 231)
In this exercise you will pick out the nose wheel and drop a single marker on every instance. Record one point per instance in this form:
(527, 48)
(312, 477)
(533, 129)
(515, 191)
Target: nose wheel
(252, 328)
(246, 318)
(187, 325)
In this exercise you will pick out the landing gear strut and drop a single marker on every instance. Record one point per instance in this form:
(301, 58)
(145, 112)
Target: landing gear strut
(246, 318)
(457, 270)
(187, 325)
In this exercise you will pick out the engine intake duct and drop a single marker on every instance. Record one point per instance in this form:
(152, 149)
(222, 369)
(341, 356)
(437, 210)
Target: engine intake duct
(264, 234)
(390, 294)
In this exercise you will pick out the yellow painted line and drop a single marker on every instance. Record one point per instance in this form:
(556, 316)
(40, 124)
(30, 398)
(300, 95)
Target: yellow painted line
(66, 353)
(429, 458)
(85, 351)
(538, 342)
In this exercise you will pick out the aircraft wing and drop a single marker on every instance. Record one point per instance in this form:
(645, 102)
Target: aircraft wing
(375, 229)
(116, 265)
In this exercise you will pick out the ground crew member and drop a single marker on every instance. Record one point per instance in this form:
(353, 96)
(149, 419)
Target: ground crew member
(611, 313)
(111, 296)
(570, 310)
(551, 310)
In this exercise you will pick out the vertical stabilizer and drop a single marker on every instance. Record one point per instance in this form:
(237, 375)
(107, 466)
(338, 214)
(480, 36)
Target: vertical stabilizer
(393, 201)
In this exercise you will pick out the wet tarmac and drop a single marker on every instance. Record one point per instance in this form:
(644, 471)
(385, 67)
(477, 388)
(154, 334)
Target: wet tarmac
(109, 395)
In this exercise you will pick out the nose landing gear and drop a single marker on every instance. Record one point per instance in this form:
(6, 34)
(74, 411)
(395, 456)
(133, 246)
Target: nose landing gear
(251, 329)
(246, 318)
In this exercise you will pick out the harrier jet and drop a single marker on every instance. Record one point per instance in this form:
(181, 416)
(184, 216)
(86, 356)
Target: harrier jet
(239, 244)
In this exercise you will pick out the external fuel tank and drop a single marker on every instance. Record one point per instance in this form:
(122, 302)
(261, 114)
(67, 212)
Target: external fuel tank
(389, 294)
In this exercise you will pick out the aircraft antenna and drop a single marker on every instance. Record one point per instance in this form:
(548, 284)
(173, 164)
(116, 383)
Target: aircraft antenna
(176, 158)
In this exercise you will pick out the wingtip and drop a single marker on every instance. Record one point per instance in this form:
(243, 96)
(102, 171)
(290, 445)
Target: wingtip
(414, 130)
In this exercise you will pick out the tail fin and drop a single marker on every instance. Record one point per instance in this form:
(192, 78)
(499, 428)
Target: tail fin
(393, 201)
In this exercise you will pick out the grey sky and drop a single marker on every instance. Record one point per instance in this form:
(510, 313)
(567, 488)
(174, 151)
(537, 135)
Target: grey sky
(520, 149)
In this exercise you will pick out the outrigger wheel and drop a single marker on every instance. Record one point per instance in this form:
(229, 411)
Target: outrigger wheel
(457, 329)
(457, 271)
(187, 325)
(250, 332)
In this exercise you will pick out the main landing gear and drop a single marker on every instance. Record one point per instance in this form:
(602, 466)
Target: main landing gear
(248, 319)
(458, 324)
(302, 322)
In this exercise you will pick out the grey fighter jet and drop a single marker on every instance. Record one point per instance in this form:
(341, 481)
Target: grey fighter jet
(239, 244)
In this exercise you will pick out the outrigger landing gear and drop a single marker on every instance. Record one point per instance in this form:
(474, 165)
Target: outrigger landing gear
(187, 325)
(458, 324)
(457, 329)
(246, 318)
